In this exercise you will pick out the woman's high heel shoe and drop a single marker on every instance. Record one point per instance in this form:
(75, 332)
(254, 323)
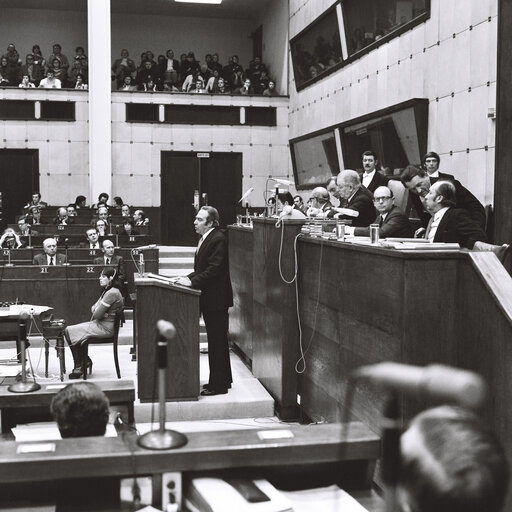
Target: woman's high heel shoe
(76, 373)
(89, 365)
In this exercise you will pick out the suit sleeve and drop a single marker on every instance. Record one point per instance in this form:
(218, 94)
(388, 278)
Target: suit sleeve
(216, 261)
(120, 270)
(466, 200)
(468, 230)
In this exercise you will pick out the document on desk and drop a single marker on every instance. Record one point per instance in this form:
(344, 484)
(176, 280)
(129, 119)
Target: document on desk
(216, 495)
(9, 370)
(46, 431)
(326, 499)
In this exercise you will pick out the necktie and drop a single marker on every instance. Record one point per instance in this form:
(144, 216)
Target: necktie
(51, 261)
(199, 244)
(108, 261)
(429, 226)
(381, 221)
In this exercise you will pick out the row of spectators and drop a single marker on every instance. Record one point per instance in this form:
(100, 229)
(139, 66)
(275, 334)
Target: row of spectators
(189, 75)
(54, 72)
(163, 74)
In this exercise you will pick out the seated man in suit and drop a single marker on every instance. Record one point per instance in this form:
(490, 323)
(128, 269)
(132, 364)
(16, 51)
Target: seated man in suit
(449, 223)
(418, 182)
(80, 410)
(102, 214)
(371, 178)
(50, 255)
(24, 227)
(62, 217)
(392, 221)
(109, 258)
(451, 462)
(357, 200)
(92, 236)
(36, 201)
(321, 205)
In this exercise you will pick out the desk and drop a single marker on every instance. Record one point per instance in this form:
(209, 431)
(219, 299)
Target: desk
(69, 290)
(77, 229)
(75, 240)
(20, 408)
(309, 449)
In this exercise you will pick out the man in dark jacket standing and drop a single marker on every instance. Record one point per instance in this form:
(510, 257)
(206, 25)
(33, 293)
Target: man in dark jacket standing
(211, 276)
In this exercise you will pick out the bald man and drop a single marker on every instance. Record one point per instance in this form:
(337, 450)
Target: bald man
(359, 205)
(392, 221)
(320, 203)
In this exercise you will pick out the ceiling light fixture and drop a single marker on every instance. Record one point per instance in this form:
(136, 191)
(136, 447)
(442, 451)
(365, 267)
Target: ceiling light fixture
(200, 1)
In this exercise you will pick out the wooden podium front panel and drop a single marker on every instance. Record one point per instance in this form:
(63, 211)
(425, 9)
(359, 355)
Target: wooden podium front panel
(180, 306)
(69, 290)
(240, 269)
(275, 327)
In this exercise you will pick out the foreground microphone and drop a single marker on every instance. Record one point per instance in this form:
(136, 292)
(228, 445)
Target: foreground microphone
(162, 439)
(442, 383)
(23, 386)
(247, 194)
(143, 247)
(66, 247)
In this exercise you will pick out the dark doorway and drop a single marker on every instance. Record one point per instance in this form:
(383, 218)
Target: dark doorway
(218, 181)
(19, 178)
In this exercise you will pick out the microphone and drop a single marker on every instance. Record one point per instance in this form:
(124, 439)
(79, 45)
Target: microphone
(166, 329)
(247, 194)
(66, 242)
(150, 246)
(435, 381)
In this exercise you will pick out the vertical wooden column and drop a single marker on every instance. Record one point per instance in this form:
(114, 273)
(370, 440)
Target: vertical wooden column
(100, 117)
(503, 161)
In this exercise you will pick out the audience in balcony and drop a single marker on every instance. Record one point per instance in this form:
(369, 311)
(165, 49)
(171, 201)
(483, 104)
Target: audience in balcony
(122, 68)
(12, 55)
(168, 74)
(50, 82)
(26, 83)
(271, 90)
(38, 57)
(127, 84)
(10, 73)
(57, 54)
(33, 69)
(59, 72)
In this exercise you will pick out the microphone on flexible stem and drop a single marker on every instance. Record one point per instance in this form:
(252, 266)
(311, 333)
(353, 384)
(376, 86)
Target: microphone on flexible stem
(246, 195)
(9, 264)
(110, 225)
(162, 439)
(23, 386)
(66, 247)
(117, 235)
(29, 246)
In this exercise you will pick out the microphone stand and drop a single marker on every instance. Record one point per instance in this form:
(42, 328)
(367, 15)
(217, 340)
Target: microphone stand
(29, 246)
(390, 454)
(66, 242)
(9, 264)
(23, 386)
(162, 439)
(117, 236)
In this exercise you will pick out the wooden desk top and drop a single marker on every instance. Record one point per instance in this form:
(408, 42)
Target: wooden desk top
(116, 391)
(101, 456)
(160, 283)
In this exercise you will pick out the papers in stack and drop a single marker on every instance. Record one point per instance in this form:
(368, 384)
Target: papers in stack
(324, 499)
(46, 431)
(216, 495)
(421, 246)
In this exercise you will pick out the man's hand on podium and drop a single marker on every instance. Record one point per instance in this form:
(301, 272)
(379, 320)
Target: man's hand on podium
(184, 281)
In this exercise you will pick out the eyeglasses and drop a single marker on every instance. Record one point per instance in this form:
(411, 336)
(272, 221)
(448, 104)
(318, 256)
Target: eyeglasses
(381, 199)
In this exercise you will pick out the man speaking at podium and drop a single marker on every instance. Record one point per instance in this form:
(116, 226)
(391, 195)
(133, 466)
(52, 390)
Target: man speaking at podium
(211, 276)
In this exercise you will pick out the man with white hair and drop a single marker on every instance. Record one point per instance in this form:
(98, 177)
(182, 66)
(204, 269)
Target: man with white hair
(50, 256)
(359, 205)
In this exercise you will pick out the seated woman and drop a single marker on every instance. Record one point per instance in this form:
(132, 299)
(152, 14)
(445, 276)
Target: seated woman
(128, 228)
(80, 410)
(101, 324)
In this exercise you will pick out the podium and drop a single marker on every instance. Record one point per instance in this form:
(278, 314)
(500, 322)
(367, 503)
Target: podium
(177, 304)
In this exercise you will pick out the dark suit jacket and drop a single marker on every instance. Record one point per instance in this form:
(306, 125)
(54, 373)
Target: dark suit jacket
(117, 261)
(396, 224)
(361, 202)
(69, 221)
(464, 198)
(457, 226)
(211, 273)
(40, 259)
(378, 180)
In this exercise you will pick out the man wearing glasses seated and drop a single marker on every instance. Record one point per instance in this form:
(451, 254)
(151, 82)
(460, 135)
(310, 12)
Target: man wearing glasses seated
(392, 221)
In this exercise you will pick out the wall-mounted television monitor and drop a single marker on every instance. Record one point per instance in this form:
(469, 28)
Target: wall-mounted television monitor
(315, 159)
(316, 50)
